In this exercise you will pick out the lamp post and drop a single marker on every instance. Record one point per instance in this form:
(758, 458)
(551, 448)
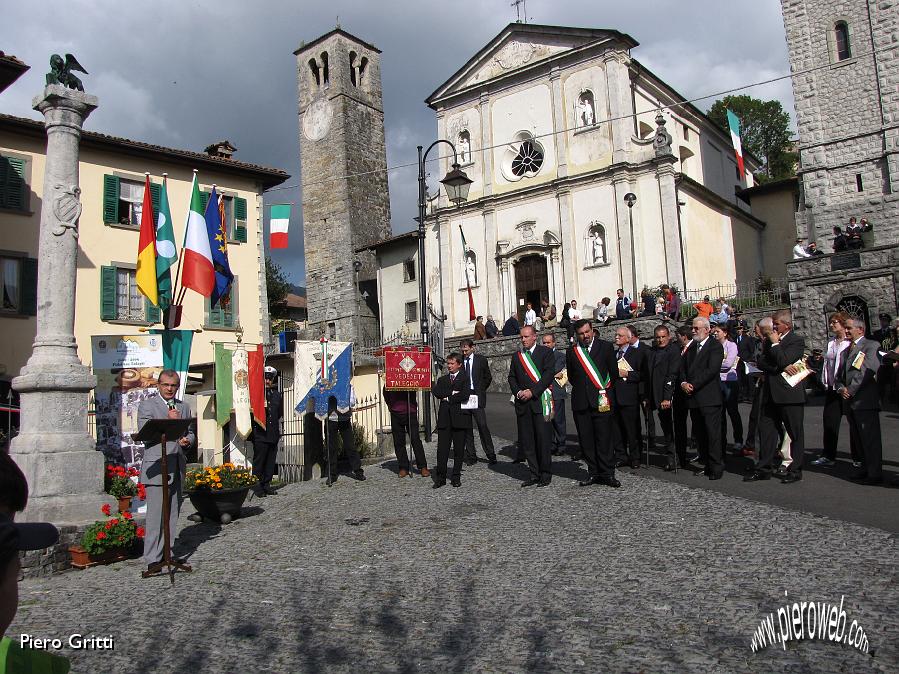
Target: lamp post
(457, 184)
(630, 199)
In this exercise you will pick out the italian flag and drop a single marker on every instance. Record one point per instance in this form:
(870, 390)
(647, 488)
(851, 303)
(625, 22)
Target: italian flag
(146, 250)
(471, 312)
(277, 225)
(734, 123)
(198, 273)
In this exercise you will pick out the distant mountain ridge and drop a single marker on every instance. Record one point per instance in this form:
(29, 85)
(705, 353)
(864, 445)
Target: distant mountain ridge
(298, 290)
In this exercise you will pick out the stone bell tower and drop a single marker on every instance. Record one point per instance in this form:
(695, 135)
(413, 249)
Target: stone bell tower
(346, 205)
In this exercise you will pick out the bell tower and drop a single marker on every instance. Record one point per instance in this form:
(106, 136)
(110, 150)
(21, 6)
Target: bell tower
(345, 202)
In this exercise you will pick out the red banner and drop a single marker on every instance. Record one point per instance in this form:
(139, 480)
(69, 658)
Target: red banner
(407, 368)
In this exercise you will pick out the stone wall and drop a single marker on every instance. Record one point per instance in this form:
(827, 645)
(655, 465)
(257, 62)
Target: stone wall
(46, 562)
(817, 285)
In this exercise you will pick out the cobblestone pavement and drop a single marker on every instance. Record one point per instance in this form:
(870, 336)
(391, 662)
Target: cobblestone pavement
(390, 575)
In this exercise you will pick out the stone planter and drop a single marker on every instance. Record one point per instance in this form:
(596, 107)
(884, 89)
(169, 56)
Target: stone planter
(221, 505)
(125, 504)
(82, 560)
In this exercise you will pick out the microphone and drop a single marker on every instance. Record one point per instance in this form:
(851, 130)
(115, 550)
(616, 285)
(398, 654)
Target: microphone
(171, 403)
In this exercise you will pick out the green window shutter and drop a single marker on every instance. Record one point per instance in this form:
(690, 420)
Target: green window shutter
(204, 199)
(28, 305)
(111, 192)
(230, 314)
(108, 310)
(155, 194)
(240, 219)
(12, 183)
(213, 315)
(151, 312)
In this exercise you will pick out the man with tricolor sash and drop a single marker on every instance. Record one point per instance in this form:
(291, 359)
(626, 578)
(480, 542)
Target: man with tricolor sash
(592, 371)
(531, 373)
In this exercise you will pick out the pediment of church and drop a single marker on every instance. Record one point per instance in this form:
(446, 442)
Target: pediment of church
(522, 45)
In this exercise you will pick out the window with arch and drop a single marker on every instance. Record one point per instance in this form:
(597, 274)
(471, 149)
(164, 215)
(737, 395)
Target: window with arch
(685, 155)
(357, 69)
(596, 252)
(523, 158)
(463, 146)
(326, 80)
(585, 110)
(470, 269)
(315, 71)
(841, 40)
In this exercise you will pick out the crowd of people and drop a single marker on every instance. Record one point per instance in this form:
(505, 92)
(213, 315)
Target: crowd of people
(844, 238)
(693, 375)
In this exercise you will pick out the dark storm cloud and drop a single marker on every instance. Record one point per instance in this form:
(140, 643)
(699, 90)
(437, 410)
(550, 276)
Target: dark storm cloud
(186, 73)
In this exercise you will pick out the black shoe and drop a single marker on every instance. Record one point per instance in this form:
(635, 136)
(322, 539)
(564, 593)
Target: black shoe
(620, 463)
(270, 491)
(517, 460)
(577, 457)
(358, 475)
(155, 567)
(756, 476)
(259, 493)
(790, 478)
(438, 484)
(609, 482)
(456, 482)
(543, 483)
(715, 476)
(530, 483)
(669, 467)
(470, 462)
(492, 461)
(589, 481)
(635, 464)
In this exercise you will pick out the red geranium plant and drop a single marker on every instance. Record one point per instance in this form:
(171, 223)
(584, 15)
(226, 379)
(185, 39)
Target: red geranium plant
(113, 533)
(118, 481)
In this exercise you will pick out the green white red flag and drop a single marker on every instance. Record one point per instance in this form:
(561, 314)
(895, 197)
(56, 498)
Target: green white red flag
(471, 312)
(733, 122)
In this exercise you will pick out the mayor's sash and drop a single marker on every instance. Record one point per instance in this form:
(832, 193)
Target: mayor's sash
(530, 368)
(600, 382)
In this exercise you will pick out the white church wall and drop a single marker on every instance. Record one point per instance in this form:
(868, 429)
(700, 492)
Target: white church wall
(650, 242)
(594, 204)
(463, 129)
(589, 147)
(525, 111)
(708, 244)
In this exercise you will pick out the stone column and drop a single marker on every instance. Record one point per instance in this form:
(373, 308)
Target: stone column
(560, 122)
(486, 141)
(671, 239)
(53, 448)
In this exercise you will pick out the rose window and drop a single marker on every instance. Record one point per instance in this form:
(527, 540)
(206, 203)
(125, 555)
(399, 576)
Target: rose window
(528, 160)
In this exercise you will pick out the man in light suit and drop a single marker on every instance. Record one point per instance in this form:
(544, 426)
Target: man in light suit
(531, 372)
(476, 367)
(858, 389)
(163, 406)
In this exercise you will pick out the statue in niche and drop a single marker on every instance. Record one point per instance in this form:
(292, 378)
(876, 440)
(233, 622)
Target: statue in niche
(464, 148)
(597, 248)
(584, 109)
(470, 269)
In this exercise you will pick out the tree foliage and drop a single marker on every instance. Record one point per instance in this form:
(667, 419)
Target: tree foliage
(277, 287)
(764, 131)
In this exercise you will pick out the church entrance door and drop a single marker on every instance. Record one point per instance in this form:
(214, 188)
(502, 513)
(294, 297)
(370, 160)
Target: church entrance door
(531, 283)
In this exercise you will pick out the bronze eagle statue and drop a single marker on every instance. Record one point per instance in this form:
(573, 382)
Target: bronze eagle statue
(61, 72)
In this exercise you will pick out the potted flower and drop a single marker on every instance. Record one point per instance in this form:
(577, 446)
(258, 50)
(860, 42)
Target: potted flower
(120, 485)
(106, 541)
(218, 492)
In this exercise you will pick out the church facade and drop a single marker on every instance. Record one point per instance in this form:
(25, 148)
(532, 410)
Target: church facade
(556, 126)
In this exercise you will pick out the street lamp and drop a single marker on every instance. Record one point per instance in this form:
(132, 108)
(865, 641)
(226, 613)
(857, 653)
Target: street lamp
(457, 184)
(630, 199)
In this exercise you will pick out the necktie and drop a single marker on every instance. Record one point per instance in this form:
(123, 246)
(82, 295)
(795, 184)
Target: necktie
(841, 366)
(468, 369)
(620, 354)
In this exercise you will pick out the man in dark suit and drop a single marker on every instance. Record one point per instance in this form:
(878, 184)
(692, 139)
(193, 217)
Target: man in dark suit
(593, 373)
(746, 344)
(531, 373)
(700, 380)
(857, 387)
(476, 367)
(163, 406)
(453, 422)
(560, 431)
(679, 402)
(630, 362)
(265, 438)
(664, 362)
(783, 405)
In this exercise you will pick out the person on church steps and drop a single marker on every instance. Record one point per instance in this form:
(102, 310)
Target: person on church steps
(622, 306)
(626, 393)
(593, 373)
(700, 380)
(858, 388)
(451, 390)
(511, 326)
(704, 308)
(480, 330)
(476, 367)
(531, 373)
(783, 404)
(490, 328)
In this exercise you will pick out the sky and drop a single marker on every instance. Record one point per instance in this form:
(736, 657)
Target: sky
(186, 73)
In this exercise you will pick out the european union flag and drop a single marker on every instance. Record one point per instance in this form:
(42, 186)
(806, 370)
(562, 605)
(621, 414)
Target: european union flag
(216, 227)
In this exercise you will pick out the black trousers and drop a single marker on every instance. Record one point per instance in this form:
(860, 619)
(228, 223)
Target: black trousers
(773, 417)
(264, 455)
(534, 440)
(755, 413)
(679, 413)
(400, 425)
(343, 428)
(445, 438)
(627, 419)
(666, 421)
(595, 439)
(707, 428)
(560, 430)
(832, 418)
(865, 425)
(479, 416)
(730, 392)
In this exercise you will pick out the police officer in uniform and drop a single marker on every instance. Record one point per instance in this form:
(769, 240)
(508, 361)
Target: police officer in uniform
(265, 439)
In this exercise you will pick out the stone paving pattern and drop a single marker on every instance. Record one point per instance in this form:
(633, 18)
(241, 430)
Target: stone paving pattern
(389, 575)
